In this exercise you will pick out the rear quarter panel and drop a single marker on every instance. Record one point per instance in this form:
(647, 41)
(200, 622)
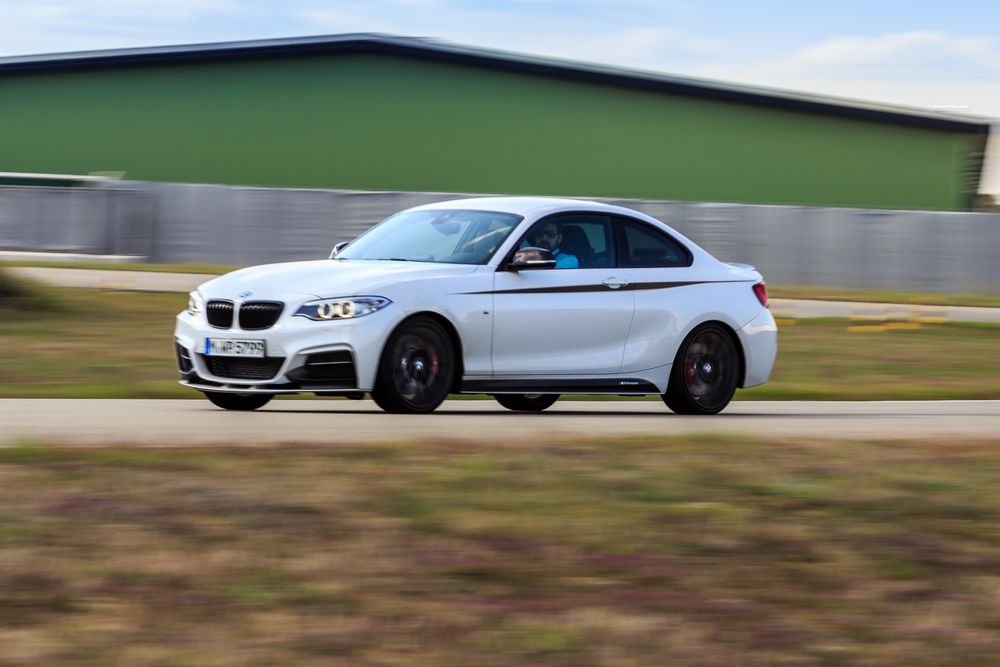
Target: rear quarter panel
(665, 316)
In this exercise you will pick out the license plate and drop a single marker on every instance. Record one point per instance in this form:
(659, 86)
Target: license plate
(227, 347)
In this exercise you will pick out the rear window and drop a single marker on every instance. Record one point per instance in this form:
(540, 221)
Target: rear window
(642, 245)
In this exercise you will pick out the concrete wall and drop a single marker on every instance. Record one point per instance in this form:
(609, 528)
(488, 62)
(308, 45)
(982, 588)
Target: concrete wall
(95, 220)
(892, 250)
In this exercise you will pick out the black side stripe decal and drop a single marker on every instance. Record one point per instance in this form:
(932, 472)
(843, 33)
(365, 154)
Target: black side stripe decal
(603, 288)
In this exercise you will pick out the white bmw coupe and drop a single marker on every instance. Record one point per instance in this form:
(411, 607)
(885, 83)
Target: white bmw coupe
(521, 298)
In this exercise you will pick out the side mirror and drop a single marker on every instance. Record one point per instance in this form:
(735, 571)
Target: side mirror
(337, 248)
(532, 258)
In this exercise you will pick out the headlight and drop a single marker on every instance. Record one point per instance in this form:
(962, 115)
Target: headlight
(344, 308)
(196, 304)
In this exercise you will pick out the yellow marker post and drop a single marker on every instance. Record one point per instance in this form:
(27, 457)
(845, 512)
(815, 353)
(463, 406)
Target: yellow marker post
(869, 320)
(785, 315)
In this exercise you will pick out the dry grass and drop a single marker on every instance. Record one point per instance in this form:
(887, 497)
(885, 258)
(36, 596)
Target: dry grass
(698, 551)
(824, 293)
(824, 360)
(96, 344)
(105, 344)
(178, 267)
(820, 292)
(17, 295)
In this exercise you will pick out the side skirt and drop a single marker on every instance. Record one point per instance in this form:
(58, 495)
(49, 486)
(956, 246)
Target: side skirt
(615, 386)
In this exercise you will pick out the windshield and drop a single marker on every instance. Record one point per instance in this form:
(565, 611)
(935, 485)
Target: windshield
(448, 236)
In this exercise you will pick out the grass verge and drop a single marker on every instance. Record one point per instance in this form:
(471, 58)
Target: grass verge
(680, 551)
(108, 344)
(823, 359)
(18, 295)
(817, 292)
(98, 344)
(822, 293)
(179, 267)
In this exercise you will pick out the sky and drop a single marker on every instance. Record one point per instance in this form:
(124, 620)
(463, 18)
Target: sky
(943, 55)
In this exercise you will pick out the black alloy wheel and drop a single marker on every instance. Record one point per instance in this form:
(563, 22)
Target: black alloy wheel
(526, 402)
(243, 402)
(417, 368)
(704, 375)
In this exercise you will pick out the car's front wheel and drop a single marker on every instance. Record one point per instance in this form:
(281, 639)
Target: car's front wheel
(417, 368)
(705, 372)
(526, 402)
(238, 401)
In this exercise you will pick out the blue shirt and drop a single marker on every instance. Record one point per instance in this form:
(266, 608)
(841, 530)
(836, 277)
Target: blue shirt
(564, 261)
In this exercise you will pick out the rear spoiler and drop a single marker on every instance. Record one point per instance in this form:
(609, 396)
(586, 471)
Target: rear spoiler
(739, 265)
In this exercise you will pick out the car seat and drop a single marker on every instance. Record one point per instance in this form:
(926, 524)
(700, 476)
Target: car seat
(575, 242)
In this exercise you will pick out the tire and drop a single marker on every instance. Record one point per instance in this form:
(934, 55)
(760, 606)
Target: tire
(705, 372)
(526, 402)
(238, 401)
(417, 368)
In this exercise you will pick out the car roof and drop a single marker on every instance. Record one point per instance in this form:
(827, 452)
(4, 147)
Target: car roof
(529, 207)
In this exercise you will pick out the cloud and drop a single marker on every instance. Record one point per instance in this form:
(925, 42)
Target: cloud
(922, 69)
(637, 47)
(910, 55)
(47, 27)
(850, 51)
(62, 14)
(333, 20)
(159, 10)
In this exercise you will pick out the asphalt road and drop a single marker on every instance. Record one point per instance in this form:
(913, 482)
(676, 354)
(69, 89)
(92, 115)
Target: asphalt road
(782, 308)
(189, 422)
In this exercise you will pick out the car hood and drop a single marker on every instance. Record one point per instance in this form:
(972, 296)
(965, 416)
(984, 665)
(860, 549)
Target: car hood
(325, 278)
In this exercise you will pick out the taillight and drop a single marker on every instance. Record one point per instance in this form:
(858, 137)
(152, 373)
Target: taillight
(760, 289)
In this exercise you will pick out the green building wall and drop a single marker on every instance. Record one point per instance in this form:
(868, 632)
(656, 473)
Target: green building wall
(386, 123)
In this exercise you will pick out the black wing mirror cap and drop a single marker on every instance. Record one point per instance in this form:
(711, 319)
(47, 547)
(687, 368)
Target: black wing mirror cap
(337, 248)
(532, 258)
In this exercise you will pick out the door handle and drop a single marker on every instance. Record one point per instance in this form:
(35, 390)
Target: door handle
(615, 283)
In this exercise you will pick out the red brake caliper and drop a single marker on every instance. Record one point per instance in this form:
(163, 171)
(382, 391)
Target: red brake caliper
(434, 365)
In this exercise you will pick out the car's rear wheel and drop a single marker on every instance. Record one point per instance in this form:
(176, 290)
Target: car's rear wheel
(526, 402)
(705, 373)
(417, 368)
(238, 401)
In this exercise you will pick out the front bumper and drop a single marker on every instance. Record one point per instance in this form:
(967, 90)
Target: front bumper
(302, 355)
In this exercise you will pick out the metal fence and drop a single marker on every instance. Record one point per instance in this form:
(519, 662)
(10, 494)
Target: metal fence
(892, 250)
(98, 220)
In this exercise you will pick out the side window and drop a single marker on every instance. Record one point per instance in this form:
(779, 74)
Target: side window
(578, 240)
(641, 245)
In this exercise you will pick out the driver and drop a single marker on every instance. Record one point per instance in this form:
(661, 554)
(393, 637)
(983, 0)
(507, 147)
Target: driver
(548, 237)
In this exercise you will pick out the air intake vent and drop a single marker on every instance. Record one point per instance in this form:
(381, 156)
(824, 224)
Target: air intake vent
(331, 366)
(244, 369)
(256, 315)
(183, 358)
(327, 369)
(220, 314)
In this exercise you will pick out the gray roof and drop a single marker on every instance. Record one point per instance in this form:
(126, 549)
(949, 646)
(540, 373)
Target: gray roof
(430, 49)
